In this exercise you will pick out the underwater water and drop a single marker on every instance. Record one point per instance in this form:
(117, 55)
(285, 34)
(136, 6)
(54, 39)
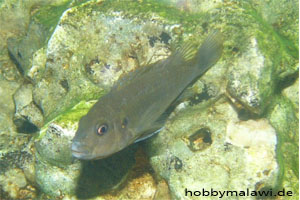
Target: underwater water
(228, 131)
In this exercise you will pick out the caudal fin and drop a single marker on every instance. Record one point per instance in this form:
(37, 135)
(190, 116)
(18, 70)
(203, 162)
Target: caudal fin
(209, 52)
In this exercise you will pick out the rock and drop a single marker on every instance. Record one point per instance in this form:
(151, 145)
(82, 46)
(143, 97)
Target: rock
(17, 177)
(38, 30)
(112, 45)
(259, 69)
(7, 89)
(38, 65)
(162, 191)
(250, 81)
(211, 148)
(56, 181)
(292, 93)
(28, 117)
(244, 76)
(12, 181)
(251, 134)
(285, 120)
(58, 174)
(73, 68)
(22, 50)
(54, 144)
(194, 6)
(54, 147)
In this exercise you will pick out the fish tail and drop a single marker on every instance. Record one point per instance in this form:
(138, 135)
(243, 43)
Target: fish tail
(209, 52)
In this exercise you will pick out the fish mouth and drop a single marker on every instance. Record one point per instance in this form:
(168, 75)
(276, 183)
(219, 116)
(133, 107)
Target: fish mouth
(84, 156)
(79, 153)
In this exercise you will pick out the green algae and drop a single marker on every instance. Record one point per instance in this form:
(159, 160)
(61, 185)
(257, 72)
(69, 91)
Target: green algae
(282, 42)
(75, 113)
(284, 120)
(71, 114)
(281, 55)
(74, 103)
(49, 15)
(147, 8)
(282, 52)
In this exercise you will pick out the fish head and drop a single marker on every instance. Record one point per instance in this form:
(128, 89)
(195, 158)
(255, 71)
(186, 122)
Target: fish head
(100, 134)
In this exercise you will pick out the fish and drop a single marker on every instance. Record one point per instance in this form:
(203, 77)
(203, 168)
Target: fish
(136, 106)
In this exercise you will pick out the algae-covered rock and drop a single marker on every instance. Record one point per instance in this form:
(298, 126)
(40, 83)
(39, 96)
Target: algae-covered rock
(54, 147)
(243, 78)
(7, 89)
(292, 93)
(39, 29)
(12, 181)
(89, 50)
(22, 50)
(260, 70)
(285, 120)
(28, 116)
(96, 42)
(211, 148)
(17, 173)
(56, 181)
(58, 174)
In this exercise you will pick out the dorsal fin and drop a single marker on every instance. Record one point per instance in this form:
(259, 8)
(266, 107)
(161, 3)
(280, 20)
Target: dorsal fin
(130, 76)
(187, 51)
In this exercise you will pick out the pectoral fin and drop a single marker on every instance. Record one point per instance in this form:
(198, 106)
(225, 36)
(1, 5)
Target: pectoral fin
(146, 136)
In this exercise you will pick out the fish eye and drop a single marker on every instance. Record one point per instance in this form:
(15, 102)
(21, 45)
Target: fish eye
(102, 129)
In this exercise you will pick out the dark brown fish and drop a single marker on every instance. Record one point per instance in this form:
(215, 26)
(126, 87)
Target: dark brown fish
(135, 106)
